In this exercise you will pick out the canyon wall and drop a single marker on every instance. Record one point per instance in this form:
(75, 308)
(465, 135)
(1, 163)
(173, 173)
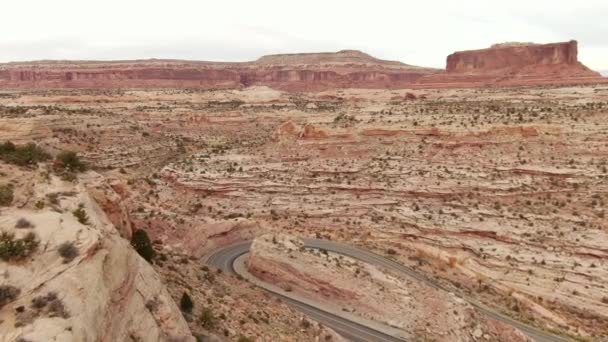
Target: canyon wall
(503, 64)
(82, 281)
(510, 58)
(515, 64)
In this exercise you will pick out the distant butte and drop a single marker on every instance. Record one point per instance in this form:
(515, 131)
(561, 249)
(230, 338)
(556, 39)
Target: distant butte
(508, 64)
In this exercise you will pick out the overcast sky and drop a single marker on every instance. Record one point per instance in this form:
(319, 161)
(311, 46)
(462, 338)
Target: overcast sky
(414, 32)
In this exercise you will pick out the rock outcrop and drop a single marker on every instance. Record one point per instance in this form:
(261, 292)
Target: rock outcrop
(510, 59)
(410, 306)
(516, 64)
(82, 282)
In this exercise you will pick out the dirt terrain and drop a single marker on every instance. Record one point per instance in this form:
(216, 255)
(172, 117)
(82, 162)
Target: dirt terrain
(498, 193)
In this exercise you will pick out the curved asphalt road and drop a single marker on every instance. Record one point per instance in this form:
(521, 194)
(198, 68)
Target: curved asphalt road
(225, 257)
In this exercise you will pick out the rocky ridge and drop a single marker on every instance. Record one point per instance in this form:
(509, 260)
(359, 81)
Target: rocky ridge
(82, 281)
(506, 64)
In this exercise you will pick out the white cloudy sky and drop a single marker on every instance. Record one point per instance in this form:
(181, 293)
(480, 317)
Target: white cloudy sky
(415, 32)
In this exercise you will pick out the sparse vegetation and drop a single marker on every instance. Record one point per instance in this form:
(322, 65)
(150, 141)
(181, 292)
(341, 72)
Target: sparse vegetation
(81, 214)
(69, 161)
(207, 319)
(142, 244)
(14, 249)
(24, 155)
(23, 223)
(6, 195)
(8, 293)
(186, 304)
(51, 305)
(68, 251)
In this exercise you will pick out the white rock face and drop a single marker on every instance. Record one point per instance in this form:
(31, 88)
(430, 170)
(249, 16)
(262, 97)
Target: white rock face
(109, 293)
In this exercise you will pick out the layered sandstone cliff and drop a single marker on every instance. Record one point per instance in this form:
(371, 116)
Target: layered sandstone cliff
(502, 64)
(81, 281)
(412, 308)
(516, 64)
(344, 69)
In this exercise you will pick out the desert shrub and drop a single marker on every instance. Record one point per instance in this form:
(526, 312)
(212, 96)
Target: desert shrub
(186, 304)
(81, 214)
(12, 248)
(68, 251)
(8, 293)
(53, 198)
(207, 318)
(142, 244)
(24, 155)
(51, 304)
(152, 305)
(70, 162)
(40, 204)
(56, 308)
(23, 223)
(244, 339)
(6, 195)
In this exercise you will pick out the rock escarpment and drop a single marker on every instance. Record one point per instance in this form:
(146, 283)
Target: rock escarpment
(527, 58)
(502, 64)
(297, 72)
(81, 281)
(512, 64)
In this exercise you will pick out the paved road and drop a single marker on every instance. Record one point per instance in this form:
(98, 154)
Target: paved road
(225, 258)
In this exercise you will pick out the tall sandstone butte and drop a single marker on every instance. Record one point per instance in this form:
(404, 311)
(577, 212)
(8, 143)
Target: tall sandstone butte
(559, 59)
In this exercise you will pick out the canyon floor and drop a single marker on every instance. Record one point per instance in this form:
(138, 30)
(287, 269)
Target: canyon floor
(498, 194)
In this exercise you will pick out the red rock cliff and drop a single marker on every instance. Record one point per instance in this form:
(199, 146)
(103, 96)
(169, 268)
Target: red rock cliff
(504, 65)
(298, 72)
(522, 59)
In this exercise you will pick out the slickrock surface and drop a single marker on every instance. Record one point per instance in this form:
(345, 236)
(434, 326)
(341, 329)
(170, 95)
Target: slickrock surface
(101, 291)
(500, 194)
(501, 65)
(365, 290)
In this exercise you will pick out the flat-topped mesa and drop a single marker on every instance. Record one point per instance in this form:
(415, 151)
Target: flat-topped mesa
(509, 64)
(556, 60)
(293, 72)
(325, 58)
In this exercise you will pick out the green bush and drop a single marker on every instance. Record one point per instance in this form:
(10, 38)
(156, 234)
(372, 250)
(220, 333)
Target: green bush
(8, 293)
(68, 251)
(244, 339)
(6, 195)
(17, 249)
(142, 244)
(186, 303)
(70, 162)
(25, 155)
(23, 223)
(81, 214)
(207, 318)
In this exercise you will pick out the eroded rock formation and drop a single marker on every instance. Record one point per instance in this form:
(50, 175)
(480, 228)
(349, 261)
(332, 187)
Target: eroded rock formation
(372, 292)
(83, 282)
(516, 64)
(502, 64)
